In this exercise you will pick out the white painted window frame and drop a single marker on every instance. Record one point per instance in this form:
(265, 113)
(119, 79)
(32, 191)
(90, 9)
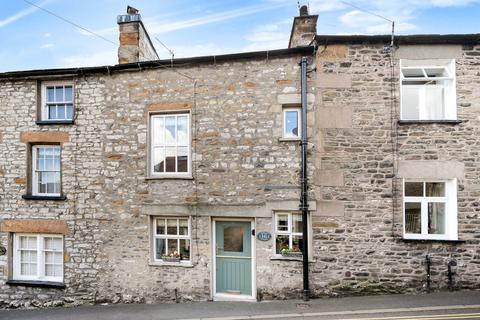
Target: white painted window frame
(44, 109)
(451, 211)
(165, 236)
(179, 175)
(450, 104)
(299, 123)
(40, 258)
(35, 175)
(289, 232)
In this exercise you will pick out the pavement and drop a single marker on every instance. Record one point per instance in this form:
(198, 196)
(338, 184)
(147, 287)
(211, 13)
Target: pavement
(433, 306)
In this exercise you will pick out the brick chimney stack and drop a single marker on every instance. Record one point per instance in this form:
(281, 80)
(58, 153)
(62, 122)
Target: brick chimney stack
(304, 29)
(135, 43)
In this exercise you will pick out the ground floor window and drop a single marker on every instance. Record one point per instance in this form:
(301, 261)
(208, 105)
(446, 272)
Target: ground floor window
(38, 257)
(172, 240)
(288, 232)
(430, 210)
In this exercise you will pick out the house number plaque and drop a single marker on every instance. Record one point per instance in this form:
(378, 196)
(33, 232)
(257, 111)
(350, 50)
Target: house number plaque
(264, 236)
(3, 250)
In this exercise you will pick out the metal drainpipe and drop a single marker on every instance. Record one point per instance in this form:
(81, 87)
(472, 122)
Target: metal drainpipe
(304, 182)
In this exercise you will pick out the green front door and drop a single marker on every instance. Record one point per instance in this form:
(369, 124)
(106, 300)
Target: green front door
(233, 249)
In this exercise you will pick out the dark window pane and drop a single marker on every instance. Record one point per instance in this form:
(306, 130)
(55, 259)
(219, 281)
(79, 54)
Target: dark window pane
(282, 222)
(61, 111)
(185, 249)
(182, 159)
(69, 111)
(172, 226)
(160, 226)
(297, 244)
(436, 218)
(435, 189)
(52, 112)
(50, 94)
(233, 239)
(172, 245)
(413, 220)
(68, 93)
(281, 242)
(413, 189)
(160, 248)
(183, 227)
(170, 159)
(59, 94)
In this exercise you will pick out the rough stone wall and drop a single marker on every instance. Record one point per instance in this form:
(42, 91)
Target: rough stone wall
(239, 164)
(358, 235)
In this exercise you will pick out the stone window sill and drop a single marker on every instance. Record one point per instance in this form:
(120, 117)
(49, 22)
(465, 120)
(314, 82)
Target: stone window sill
(54, 122)
(281, 258)
(171, 264)
(44, 198)
(170, 177)
(429, 121)
(289, 140)
(433, 240)
(33, 283)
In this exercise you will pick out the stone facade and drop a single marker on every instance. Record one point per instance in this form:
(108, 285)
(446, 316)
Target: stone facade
(365, 154)
(241, 169)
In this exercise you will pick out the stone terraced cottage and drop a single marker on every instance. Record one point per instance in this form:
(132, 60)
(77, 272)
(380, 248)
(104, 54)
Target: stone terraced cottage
(179, 180)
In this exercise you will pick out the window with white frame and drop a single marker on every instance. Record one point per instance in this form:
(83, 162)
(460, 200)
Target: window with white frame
(46, 172)
(288, 232)
(38, 257)
(430, 210)
(57, 101)
(428, 89)
(170, 144)
(291, 122)
(171, 239)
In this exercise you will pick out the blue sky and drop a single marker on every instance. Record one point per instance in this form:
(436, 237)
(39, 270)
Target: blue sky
(33, 39)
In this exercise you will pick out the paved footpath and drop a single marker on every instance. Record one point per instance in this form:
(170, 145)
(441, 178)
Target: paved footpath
(433, 306)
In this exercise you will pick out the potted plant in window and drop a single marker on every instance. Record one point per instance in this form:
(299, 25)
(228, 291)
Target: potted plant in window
(174, 256)
(291, 253)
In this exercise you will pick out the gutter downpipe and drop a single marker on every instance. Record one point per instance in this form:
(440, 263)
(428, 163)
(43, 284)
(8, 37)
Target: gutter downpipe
(303, 179)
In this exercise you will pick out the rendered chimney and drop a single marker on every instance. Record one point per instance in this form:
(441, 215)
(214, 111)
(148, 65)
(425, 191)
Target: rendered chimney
(304, 29)
(135, 43)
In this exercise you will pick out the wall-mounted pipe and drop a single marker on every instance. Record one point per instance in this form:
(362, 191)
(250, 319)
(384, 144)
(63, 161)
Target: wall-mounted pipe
(450, 273)
(303, 179)
(429, 264)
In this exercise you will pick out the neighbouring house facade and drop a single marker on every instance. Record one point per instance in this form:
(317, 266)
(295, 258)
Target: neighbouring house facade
(154, 181)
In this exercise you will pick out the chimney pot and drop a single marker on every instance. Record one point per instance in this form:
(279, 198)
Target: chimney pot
(132, 10)
(304, 10)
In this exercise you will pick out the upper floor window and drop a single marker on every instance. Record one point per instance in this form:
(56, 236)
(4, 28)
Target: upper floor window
(38, 257)
(46, 170)
(291, 123)
(430, 210)
(170, 145)
(428, 89)
(57, 101)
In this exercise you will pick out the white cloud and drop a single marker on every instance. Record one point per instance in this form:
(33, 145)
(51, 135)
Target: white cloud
(47, 45)
(162, 27)
(21, 14)
(267, 37)
(99, 58)
(47, 35)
